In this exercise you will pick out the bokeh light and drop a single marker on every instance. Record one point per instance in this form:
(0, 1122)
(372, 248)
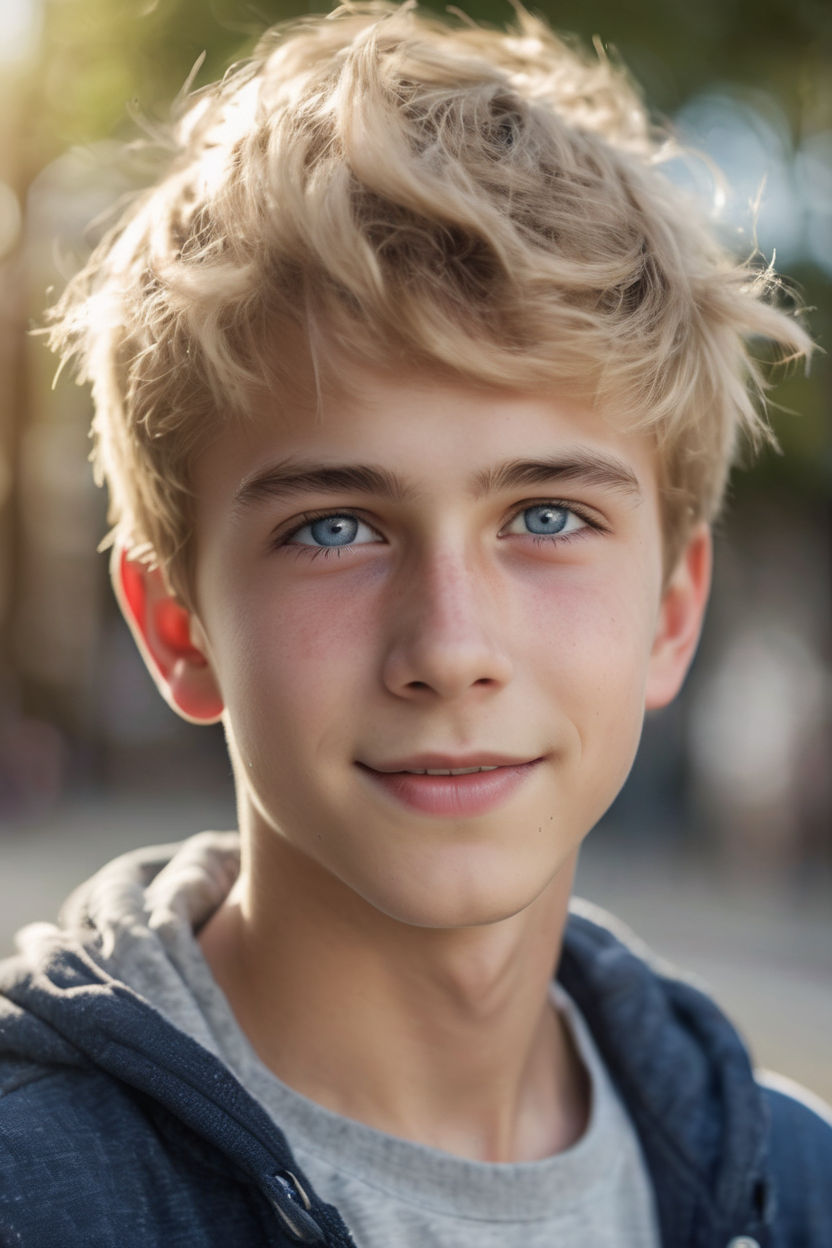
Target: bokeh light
(762, 202)
(21, 22)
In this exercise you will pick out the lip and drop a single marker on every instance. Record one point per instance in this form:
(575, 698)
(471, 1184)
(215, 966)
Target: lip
(448, 762)
(451, 796)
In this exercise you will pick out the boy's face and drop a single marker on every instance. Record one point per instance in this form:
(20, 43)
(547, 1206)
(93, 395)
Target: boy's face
(434, 576)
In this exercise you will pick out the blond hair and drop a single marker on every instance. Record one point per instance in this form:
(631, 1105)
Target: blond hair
(417, 192)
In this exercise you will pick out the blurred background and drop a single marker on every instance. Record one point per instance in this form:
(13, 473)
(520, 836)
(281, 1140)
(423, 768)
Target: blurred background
(719, 850)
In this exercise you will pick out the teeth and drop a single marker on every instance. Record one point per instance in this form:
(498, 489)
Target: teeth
(449, 771)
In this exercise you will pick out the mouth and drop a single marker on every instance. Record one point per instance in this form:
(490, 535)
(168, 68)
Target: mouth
(449, 764)
(450, 787)
(443, 771)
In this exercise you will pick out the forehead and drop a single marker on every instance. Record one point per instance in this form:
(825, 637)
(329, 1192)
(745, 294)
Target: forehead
(421, 435)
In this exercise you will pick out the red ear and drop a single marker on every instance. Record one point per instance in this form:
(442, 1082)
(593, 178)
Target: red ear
(172, 624)
(162, 629)
(681, 614)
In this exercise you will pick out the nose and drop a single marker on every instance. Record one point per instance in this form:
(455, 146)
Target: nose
(447, 622)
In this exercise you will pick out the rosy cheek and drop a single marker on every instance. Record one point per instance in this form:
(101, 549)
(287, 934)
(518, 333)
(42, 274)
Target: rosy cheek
(590, 630)
(300, 639)
(572, 604)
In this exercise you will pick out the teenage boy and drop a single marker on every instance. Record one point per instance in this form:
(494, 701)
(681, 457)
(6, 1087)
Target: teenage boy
(416, 389)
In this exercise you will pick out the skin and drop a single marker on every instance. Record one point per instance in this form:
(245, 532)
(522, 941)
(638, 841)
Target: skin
(415, 948)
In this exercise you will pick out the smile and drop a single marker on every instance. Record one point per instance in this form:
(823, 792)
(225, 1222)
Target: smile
(451, 792)
(443, 771)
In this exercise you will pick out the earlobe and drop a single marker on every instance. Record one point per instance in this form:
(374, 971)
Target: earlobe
(162, 629)
(679, 624)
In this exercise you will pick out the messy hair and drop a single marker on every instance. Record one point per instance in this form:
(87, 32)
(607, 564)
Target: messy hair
(425, 193)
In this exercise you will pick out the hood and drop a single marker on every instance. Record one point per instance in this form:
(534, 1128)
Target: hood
(60, 1007)
(681, 1069)
(684, 1075)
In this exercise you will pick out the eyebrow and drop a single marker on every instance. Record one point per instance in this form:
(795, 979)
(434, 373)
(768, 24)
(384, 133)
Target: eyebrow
(587, 467)
(291, 477)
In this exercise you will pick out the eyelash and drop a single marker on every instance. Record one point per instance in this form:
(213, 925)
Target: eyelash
(283, 540)
(590, 522)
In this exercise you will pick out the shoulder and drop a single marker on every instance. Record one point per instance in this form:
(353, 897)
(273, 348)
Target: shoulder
(685, 1074)
(797, 1115)
(57, 1139)
(800, 1159)
(107, 1168)
(71, 1128)
(42, 1107)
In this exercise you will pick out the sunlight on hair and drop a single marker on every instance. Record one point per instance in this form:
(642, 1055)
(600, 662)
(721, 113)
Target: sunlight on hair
(479, 203)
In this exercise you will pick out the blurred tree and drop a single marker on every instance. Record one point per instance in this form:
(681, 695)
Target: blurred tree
(97, 56)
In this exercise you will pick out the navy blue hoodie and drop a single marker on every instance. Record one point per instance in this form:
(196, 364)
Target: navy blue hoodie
(118, 1129)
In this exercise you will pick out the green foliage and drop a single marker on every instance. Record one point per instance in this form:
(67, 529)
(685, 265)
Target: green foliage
(99, 55)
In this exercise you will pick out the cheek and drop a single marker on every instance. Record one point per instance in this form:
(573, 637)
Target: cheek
(591, 637)
(303, 647)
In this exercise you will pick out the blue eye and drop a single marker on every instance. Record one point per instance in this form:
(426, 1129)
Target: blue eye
(332, 531)
(546, 520)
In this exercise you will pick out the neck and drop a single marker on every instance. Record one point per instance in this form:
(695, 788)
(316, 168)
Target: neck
(447, 1038)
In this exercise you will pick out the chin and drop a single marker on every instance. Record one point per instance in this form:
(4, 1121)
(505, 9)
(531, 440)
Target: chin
(453, 916)
(455, 900)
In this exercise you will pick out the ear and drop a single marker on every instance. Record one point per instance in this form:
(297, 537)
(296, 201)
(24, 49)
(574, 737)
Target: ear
(164, 632)
(679, 624)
